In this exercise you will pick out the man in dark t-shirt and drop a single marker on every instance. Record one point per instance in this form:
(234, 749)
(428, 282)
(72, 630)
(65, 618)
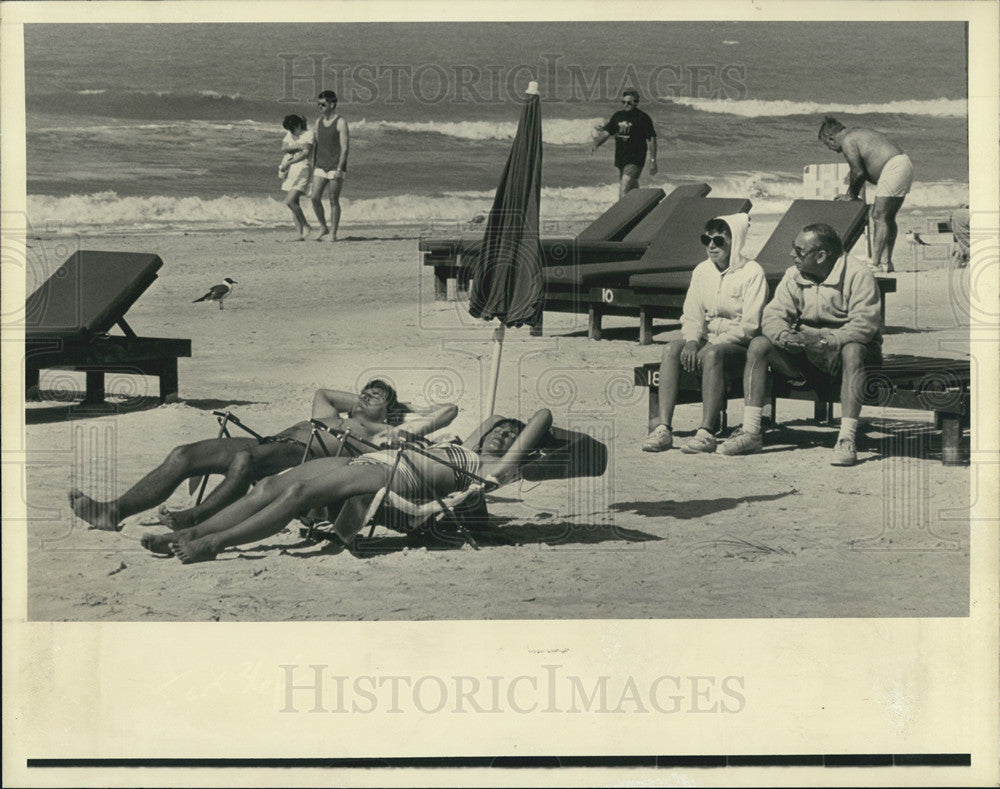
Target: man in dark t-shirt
(634, 135)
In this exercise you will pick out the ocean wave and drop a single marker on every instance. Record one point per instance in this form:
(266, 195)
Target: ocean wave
(107, 211)
(758, 108)
(555, 131)
(151, 104)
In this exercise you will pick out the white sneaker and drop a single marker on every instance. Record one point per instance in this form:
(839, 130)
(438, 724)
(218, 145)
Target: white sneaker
(844, 453)
(659, 440)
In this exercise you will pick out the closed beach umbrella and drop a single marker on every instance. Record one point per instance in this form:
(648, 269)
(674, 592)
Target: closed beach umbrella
(507, 282)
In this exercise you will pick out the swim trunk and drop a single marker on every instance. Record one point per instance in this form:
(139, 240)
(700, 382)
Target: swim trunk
(280, 440)
(330, 175)
(631, 170)
(896, 178)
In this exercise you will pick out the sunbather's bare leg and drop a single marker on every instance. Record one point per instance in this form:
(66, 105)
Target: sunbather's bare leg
(301, 225)
(211, 456)
(257, 462)
(335, 186)
(318, 187)
(274, 503)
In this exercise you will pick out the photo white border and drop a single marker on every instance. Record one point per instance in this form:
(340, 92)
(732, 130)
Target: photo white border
(72, 690)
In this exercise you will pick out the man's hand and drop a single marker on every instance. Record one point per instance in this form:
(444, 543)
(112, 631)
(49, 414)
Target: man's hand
(689, 356)
(652, 166)
(847, 197)
(818, 341)
(791, 341)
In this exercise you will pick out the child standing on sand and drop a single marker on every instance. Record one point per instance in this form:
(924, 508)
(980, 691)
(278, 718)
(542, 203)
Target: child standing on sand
(296, 168)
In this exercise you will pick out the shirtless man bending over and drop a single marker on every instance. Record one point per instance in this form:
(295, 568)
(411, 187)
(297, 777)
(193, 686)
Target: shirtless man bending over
(374, 415)
(875, 158)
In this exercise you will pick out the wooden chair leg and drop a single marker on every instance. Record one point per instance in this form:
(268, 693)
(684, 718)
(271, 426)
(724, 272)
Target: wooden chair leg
(440, 284)
(95, 388)
(594, 330)
(645, 327)
(951, 436)
(31, 376)
(169, 381)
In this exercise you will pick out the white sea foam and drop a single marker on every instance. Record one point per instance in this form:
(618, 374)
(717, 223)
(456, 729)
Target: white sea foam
(555, 131)
(107, 211)
(758, 108)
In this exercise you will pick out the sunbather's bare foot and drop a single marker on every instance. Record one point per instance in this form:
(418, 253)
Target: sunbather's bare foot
(175, 520)
(323, 230)
(304, 233)
(158, 543)
(99, 514)
(333, 237)
(191, 551)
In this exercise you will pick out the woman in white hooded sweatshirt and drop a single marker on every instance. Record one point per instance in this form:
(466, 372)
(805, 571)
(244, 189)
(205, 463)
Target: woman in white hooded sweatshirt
(721, 315)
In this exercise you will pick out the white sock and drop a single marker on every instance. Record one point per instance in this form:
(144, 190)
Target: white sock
(848, 427)
(751, 418)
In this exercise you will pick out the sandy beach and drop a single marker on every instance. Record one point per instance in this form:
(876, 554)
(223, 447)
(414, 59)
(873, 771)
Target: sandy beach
(658, 536)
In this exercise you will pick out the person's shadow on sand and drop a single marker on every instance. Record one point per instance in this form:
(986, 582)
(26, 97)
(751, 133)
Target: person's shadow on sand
(497, 532)
(692, 508)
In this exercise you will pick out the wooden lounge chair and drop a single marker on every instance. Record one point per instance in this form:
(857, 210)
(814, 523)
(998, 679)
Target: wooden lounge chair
(926, 383)
(602, 288)
(662, 294)
(620, 233)
(68, 319)
(564, 454)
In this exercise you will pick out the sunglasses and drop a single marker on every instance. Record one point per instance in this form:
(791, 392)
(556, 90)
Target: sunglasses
(801, 253)
(719, 241)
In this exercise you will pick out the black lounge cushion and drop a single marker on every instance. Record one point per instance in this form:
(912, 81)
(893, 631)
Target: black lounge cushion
(620, 218)
(89, 293)
(644, 232)
(677, 246)
(846, 217)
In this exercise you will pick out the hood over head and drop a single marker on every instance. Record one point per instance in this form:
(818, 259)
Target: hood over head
(739, 227)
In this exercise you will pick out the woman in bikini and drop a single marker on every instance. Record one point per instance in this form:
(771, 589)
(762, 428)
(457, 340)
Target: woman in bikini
(324, 482)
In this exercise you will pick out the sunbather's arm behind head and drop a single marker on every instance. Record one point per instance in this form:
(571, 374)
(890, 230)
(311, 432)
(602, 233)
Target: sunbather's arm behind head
(530, 439)
(332, 402)
(430, 420)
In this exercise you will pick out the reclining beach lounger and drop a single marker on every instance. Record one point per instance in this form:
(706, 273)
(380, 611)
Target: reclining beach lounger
(662, 294)
(597, 288)
(565, 454)
(68, 319)
(622, 232)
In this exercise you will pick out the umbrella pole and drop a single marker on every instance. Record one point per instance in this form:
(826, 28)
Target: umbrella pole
(498, 334)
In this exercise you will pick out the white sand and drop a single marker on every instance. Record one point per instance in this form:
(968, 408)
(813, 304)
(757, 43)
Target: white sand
(781, 534)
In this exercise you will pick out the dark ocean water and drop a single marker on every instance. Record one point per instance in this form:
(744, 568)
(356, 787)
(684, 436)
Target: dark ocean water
(178, 126)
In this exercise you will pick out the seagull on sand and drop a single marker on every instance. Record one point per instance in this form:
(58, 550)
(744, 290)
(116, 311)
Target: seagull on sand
(218, 292)
(913, 237)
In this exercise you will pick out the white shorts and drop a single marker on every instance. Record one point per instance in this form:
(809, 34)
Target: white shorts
(330, 175)
(896, 178)
(298, 178)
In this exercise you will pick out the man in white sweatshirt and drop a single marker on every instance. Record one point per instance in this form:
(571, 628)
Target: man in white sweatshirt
(721, 314)
(822, 322)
